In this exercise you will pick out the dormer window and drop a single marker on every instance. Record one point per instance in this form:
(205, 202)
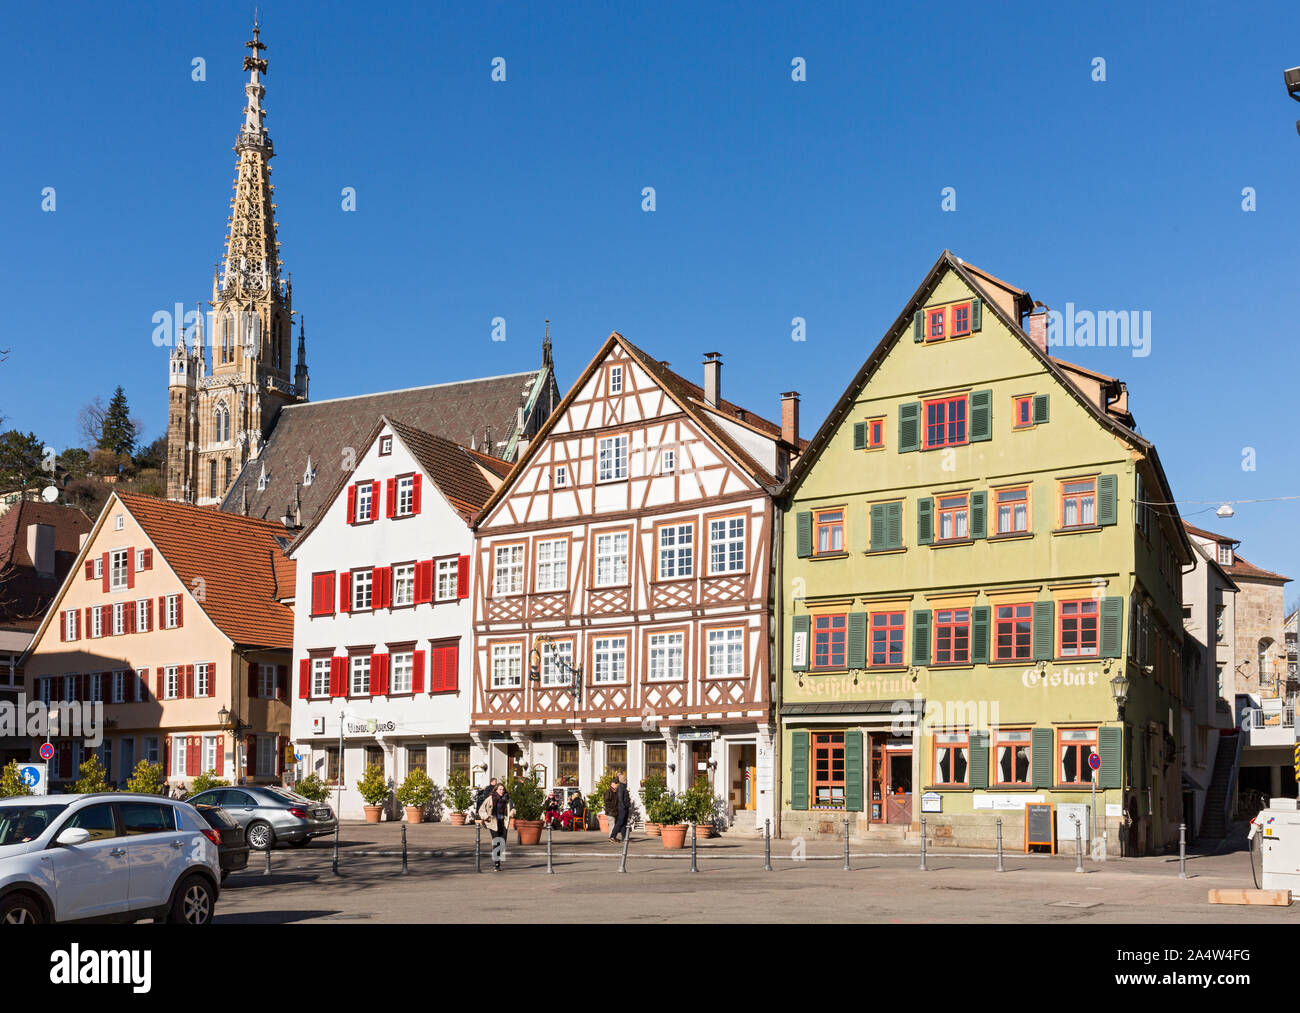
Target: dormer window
(385, 446)
(934, 325)
(1225, 553)
(616, 379)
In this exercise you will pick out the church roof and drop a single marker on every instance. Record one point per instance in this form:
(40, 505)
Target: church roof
(461, 412)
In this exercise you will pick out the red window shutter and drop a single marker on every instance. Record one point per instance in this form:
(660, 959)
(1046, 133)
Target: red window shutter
(131, 686)
(352, 504)
(148, 559)
(388, 587)
(130, 616)
(160, 684)
(424, 581)
(345, 592)
(162, 609)
(377, 675)
(148, 615)
(462, 576)
(282, 682)
(304, 678)
(89, 624)
(78, 637)
(415, 493)
(104, 574)
(192, 756)
(417, 672)
(130, 567)
(189, 681)
(338, 676)
(180, 610)
(376, 587)
(374, 500)
(90, 569)
(250, 757)
(451, 667)
(221, 755)
(390, 504)
(63, 627)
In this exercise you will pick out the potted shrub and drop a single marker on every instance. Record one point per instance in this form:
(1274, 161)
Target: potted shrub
(374, 792)
(529, 800)
(208, 779)
(596, 800)
(148, 779)
(699, 806)
(667, 812)
(415, 793)
(459, 797)
(652, 789)
(312, 788)
(92, 777)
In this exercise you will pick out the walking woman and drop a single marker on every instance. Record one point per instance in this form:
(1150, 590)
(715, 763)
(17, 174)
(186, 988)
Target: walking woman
(496, 812)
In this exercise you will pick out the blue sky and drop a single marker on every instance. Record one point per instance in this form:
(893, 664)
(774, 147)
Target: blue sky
(775, 199)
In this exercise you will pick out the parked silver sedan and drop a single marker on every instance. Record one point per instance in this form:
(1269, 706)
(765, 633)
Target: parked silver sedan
(270, 815)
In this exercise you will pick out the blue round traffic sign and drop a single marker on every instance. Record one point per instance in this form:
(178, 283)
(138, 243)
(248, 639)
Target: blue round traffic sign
(30, 776)
(1094, 761)
(47, 751)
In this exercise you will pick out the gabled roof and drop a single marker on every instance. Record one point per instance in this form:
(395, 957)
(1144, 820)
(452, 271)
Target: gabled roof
(1240, 566)
(462, 412)
(454, 470)
(1202, 533)
(24, 593)
(975, 278)
(685, 394)
(234, 557)
(1213, 563)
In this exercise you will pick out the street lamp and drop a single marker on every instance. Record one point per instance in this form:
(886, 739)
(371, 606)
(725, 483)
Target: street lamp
(573, 671)
(1119, 692)
(1292, 78)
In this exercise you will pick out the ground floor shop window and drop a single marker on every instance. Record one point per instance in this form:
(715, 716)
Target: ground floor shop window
(374, 757)
(417, 758)
(332, 764)
(1012, 753)
(656, 760)
(951, 757)
(566, 764)
(828, 770)
(460, 761)
(616, 757)
(1077, 744)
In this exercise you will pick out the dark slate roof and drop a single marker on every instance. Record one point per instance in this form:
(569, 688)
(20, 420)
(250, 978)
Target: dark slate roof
(24, 593)
(461, 412)
(794, 710)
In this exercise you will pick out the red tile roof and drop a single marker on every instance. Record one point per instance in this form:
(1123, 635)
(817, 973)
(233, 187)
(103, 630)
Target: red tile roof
(24, 593)
(235, 559)
(1242, 567)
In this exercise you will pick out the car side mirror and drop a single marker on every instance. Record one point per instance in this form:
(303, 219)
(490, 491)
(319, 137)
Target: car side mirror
(73, 836)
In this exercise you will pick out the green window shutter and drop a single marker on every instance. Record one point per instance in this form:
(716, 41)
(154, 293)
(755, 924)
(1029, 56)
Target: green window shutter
(1044, 630)
(976, 314)
(859, 436)
(803, 534)
(981, 415)
(1107, 488)
(924, 520)
(978, 513)
(921, 637)
(979, 634)
(1042, 747)
(894, 525)
(1040, 409)
(879, 529)
(918, 325)
(1110, 743)
(799, 770)
(978, 768)
(853, 770)
(857, 653)
(800, 624)
(1112, 625)
(909, 426)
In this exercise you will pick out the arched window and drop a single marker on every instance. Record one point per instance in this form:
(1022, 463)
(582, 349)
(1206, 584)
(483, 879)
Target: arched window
(222, 418)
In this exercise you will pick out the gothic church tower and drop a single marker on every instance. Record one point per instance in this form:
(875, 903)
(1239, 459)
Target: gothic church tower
(218, 419)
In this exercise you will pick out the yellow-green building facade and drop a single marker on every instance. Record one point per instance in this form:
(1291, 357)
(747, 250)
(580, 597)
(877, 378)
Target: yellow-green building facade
(976, 544)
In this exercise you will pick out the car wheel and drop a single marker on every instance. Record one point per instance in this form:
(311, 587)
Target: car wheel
(260, 836)
(193, 902)
(300, 844)
(21, 909)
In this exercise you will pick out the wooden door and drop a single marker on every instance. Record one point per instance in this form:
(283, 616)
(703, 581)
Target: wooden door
(898, 775)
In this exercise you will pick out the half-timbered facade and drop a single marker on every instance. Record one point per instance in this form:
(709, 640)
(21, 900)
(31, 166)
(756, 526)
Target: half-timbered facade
(634, 542)
(382, 622)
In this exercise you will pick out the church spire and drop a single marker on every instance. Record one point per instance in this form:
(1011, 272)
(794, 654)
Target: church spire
(546, 346)
(300, 372)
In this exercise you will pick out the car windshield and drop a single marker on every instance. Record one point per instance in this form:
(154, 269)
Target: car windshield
(22, 823)
(218, 818)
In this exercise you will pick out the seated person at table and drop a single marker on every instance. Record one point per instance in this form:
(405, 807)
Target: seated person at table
(553, 813)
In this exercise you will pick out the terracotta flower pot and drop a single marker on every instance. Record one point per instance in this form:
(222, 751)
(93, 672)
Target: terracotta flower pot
(604, 824)
(705, 830)
(414, 814)
(529, 831)
(457, 819)
(373, 813)
(673, 837)
(512, 823)
(652, 829)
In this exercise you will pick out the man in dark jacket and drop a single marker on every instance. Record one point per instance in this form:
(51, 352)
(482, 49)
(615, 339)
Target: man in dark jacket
(622, 808)
(483, 793)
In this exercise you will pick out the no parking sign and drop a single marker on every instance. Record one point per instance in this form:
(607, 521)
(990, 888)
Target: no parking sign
(47, 752)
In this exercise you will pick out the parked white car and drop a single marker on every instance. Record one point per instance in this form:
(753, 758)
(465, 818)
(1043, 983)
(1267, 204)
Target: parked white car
(112, 856)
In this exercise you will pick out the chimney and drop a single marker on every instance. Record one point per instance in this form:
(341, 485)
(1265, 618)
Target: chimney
(40, 548)
(790, 417)
(712, 378)
(1038, 326)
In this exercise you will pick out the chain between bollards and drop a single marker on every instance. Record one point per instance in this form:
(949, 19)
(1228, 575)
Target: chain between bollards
(846, 845)
(1182, 850)
(627, 834)
(1078, 846)
(550, 869)
(694, 866)
(923, 868)
(478, 849)
(767, 845)
(1000, 869)
(405, 870)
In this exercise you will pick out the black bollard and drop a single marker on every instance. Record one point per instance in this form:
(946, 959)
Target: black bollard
(550, 869)
(622, 867)
(478, 848)
(267, 852)
(923, 869)
(1182, 850)
(1000, 869)
(767, 845)
(694, 866)
(405, 870)
(846, 845)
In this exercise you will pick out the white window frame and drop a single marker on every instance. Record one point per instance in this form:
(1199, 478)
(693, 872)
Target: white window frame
(561, 476)
(446, 579)
(666, 656)
(151, 748)
(119, 522)
(405, 496)
(267, 760)
(171, 606)
(70, 624)
(552, 564)
(96, 623)
(119, 618)
(369, 502)
(672, 552)
(616, 379)
(139, 560)
(512, 570)
(208, 754)
(265, 682)
(725, 654)
(609, 556)
(141, 615)
(551, 673)
(171, 682)
(320, 678)
(401, 669)
(363, 591)
(668, 462)
(119, 687)
(119, 567)
(404, 584)
(359, 675)
(609, 661)
(507, 666)
(179, 755)
(720, 544)
(611, 458)
(99, 567)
